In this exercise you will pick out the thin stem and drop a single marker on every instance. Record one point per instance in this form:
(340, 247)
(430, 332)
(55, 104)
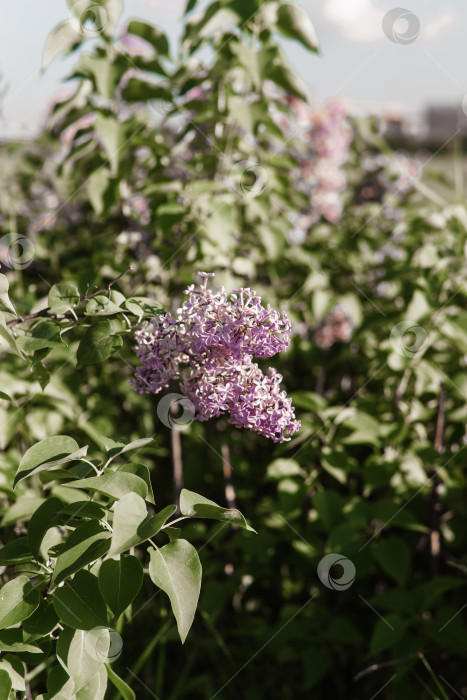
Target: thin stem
(230, 496)
(172, 522)
(433, 676)
(91, 465)
(35, 672)
(46, 312)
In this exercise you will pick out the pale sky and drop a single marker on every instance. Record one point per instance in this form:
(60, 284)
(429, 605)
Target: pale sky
(358, 60)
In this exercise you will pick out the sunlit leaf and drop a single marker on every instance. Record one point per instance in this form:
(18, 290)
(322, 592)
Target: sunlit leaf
(176, 569)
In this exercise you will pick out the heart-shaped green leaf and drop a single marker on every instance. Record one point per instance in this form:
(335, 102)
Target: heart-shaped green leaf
(176, 569)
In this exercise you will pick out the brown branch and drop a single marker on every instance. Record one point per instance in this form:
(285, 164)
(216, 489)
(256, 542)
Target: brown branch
(227, 470)
(177, 462)
(230, 496)
(320, 380)
(45, 313)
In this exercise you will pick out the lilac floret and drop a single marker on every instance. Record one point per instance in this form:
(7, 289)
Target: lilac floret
(209, 346)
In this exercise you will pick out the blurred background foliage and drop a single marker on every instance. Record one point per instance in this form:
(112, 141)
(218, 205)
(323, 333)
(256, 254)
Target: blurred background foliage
(206, 158)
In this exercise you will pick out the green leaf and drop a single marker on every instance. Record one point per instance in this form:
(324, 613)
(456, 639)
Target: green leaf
(285, 78)
(393, 555)
(86, 544)
(336, 463)
(22, 509)
(112, 484)
(99, 187)
(98, 343)
(111, 133)
(4, 298)
(15, 669)
(42, 621)
(309, 401)
(44, 335)
(143, 472)
(283, 469)
(59, 680)
(329, 505)
(82, 654)
(63, 297)
(18, 600)
(119, 447)
(150, 33)
(48, 453)
(176, 569)
(113, 10)
(142, 91)
(79, 603)
(132, 524)
(64, 38)
(173, 533)
(84, 509)
(189, 6)
(12, 640)
(103, 305)
(45, 517)
(294, 23)
(143, 307)
(366, 429)
(6, 334)
(124, 690)
(196, 506)
(5, 684)
(15, 552)
(426, 594)
(120, 582)
(41, 373)
(95, 687)
(387, 633)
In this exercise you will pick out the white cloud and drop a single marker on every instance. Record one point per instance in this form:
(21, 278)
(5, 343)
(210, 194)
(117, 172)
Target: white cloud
(357, 20)
(361, 21)
(434, 28)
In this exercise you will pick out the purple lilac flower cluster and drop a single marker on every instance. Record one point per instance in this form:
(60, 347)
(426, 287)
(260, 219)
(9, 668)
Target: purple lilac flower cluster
(209, 346)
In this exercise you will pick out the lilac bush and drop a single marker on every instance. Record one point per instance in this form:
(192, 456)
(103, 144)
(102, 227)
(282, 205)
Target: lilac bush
(209, 346)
